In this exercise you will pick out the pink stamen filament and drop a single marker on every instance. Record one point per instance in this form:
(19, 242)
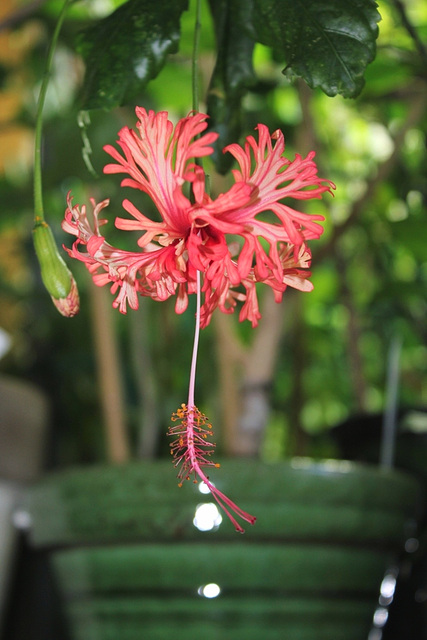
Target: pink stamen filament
(192, 448)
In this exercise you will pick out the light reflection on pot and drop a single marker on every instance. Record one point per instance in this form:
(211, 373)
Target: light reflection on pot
(207, 517)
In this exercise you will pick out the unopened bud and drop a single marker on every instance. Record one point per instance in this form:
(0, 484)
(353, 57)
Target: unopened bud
(56, 276)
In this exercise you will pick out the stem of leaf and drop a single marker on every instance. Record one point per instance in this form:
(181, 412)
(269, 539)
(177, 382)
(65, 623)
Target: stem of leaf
(38, 191)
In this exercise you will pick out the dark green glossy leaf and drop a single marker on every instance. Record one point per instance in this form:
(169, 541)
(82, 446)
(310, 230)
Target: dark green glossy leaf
(127, 49)
(232, 76)
(328, 43)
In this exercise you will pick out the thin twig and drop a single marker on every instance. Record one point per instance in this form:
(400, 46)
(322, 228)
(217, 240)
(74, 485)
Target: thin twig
(411, 29)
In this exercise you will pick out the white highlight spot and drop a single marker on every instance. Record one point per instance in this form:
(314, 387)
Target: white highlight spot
(387, 590)
(203, 488)
(211, 590)
(207, 517)
(380, 617)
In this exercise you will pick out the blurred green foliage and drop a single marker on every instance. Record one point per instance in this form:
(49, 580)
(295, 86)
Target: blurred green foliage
(369, 270)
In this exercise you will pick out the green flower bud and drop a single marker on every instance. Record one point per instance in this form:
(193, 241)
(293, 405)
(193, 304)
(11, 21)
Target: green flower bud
(56, 276)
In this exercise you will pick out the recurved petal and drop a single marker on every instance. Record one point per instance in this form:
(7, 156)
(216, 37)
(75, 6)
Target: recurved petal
(157, 158)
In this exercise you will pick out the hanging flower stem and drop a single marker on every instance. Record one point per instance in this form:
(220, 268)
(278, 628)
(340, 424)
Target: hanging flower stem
(56, 276)
(195, 57)
(192, 446)
(38, 191)
(195, 346)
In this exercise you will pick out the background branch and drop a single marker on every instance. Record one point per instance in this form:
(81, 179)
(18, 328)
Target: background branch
(416, 112)
(411, 29)
(109, 374)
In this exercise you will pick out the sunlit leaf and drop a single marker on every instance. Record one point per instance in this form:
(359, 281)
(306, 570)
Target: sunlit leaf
(128, 48)
(328, 43)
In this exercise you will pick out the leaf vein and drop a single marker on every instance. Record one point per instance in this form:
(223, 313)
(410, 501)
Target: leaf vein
(323, 32)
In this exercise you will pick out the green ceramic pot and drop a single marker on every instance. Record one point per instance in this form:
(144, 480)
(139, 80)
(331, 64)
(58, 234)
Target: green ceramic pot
(133, 566)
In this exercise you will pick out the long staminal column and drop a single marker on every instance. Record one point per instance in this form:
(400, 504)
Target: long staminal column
(192, 446)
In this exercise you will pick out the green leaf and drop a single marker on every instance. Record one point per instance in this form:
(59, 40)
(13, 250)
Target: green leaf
(328, 43)
(232, 76)
(411, 234)
(128, 48)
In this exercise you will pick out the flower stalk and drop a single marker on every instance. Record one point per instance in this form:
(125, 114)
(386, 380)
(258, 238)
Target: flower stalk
(56, 276)
(38, 188)
(195, 57)
(192, 446)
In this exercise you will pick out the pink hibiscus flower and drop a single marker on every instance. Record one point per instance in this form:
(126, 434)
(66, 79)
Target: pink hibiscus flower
(242, 237)
(245, 236)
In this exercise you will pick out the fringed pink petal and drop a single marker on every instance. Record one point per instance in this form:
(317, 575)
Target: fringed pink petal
(158, 158)
(256, 211)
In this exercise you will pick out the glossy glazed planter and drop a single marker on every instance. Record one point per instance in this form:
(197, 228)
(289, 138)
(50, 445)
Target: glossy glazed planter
(132, 565)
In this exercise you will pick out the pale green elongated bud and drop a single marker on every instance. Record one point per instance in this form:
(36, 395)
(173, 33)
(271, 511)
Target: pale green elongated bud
(56, 276)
